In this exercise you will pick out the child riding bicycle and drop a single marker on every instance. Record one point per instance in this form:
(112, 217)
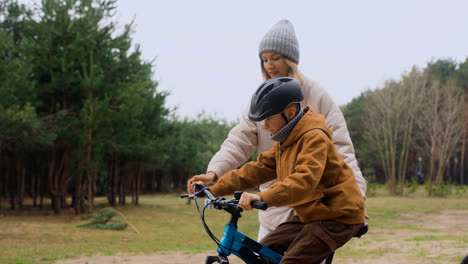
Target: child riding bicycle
(312, 177)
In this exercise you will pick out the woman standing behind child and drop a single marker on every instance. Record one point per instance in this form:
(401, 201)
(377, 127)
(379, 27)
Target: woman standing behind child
(279, 57)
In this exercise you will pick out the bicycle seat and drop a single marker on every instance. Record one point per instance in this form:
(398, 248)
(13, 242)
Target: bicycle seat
(363, 230)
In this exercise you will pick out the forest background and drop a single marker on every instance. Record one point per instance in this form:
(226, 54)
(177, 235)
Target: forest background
(81, 116)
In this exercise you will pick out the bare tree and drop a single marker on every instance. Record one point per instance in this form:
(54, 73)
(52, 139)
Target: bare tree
(391, 115)
(412, 85)
(440, 123)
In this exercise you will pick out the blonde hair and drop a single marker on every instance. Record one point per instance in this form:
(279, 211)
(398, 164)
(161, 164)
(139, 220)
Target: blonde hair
(293, 70)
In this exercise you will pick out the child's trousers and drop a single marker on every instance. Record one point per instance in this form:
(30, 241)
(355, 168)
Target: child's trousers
(309, 243)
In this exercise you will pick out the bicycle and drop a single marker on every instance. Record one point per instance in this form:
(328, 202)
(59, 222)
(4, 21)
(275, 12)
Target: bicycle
(234, 242)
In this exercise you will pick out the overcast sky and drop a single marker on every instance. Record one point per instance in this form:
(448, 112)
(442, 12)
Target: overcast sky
(207, 51)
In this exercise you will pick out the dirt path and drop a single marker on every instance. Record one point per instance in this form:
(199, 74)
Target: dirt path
(381, 247)
(177, 258)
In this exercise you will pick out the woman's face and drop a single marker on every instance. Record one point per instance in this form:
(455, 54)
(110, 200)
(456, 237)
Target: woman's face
(274, 64)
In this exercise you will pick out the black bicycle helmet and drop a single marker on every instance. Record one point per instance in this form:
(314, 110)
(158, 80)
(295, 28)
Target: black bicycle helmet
(273, 96)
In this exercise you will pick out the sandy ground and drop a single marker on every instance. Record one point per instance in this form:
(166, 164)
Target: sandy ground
(399, 246)
(176, 258)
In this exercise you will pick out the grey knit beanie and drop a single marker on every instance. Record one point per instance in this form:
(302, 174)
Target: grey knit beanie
(281, 38)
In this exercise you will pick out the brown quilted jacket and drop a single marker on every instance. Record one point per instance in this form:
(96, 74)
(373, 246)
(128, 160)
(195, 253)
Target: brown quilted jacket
(312, 177)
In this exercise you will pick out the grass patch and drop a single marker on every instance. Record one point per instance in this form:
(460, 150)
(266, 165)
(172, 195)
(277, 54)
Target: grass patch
(461, 239)
(384, 211)
(166, 223)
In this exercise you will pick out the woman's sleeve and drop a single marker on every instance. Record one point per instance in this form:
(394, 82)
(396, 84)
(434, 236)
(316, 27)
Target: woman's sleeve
(240, 144)
(322, 103)
(341, 139)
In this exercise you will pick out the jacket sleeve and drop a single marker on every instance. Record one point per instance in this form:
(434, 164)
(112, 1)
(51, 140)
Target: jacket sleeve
(309, 168)
(337, 124)
(248, 176)
(341, 139)
(237, 148)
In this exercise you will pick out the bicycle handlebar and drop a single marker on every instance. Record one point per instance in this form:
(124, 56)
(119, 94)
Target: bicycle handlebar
(255, 204)
(259, 205)
(202, 191)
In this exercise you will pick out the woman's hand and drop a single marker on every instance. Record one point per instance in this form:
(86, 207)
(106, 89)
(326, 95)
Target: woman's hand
(207, 178)
(247, 198)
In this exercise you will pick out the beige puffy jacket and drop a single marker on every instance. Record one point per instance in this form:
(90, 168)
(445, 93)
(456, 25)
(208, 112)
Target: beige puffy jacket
(247, 136)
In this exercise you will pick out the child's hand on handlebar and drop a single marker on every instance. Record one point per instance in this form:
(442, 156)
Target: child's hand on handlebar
(247, 198)
(207, 178)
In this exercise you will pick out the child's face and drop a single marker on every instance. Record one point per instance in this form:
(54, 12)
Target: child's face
(274, 123)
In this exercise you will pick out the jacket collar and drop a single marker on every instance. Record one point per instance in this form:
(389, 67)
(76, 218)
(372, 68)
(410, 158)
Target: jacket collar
(309, 121)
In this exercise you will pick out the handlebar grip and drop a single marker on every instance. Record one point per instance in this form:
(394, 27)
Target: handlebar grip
(255, 204)
(259, 205)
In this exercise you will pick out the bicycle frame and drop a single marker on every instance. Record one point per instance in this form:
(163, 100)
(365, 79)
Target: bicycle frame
(234, 242)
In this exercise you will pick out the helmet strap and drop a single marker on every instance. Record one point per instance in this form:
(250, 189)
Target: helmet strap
(285, 118)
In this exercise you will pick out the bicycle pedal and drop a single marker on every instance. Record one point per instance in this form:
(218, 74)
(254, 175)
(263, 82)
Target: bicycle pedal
(216, 258)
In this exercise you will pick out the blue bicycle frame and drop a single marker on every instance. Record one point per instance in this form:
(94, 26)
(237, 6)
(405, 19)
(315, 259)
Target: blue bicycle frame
(234, 242)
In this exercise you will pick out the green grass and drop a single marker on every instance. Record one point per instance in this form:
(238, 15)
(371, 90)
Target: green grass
(461, 239)
(167, 224)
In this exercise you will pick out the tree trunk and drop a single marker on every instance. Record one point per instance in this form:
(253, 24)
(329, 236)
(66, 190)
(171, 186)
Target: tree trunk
(64, 180)
(77, 195)
(11, 187)
(159, 180)
(122, 183)
(20, 174)
(93, 185)
(109, 182)
(89, 181)
(112, 182)
(404, 153)
(138, 183)
(59, 174)
(109, 178)
(55, 173)
(430, 177)
(115, 181)
(133, 186)
(89, 177)
(34, 181)
(2, 183)
(462, 156)
(40, 187)
(50, 179)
